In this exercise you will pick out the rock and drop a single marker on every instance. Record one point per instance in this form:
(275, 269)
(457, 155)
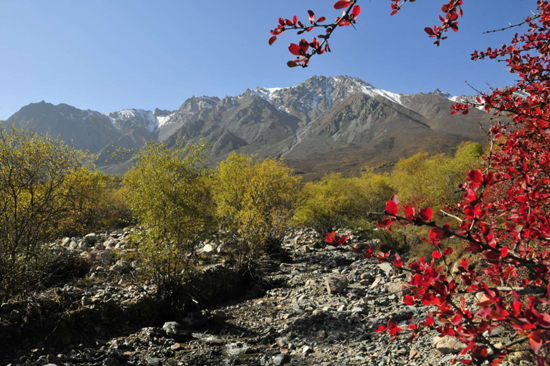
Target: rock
(208, 249)
(152, 361)
(447, 344)
(15, 315)
(376, 282)
(386, 267)
(111, 362)
(65, 241)
(171, 328)
(90, 239)
(280, 359)
(110, 244)
(219, 315)
(336, 284)
(73, 245)
(174, 331)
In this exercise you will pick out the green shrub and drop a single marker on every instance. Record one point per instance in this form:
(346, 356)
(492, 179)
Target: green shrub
(255, 201)
(169, 195)
(33, 172)
(336, 202)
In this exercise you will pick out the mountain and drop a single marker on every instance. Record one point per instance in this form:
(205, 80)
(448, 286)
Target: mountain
(323, 124)
(83, 129)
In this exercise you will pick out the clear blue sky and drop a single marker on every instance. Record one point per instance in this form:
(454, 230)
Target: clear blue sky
(108, 55)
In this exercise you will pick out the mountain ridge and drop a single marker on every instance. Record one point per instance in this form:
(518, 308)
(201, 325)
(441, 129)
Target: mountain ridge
(325, 118)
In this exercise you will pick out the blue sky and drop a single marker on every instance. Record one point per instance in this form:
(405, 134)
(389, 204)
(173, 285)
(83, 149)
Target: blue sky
(108, 55)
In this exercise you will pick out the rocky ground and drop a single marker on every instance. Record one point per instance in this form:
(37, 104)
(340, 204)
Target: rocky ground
(321, 307)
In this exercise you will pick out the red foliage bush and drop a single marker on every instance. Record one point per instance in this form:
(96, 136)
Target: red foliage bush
(504, 217)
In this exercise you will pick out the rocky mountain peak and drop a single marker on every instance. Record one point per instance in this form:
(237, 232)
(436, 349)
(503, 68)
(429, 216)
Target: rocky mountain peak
(129, 119)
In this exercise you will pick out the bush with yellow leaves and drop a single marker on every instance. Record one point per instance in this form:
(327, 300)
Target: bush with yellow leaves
(255, 200)
(168, 193)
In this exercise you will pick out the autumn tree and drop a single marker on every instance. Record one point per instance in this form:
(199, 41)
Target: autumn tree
(33, 172)
(168, 193)
(504, 213)
(255, 200)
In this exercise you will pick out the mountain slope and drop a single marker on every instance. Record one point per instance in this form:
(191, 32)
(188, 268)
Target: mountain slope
(323, 124)
(83, 129)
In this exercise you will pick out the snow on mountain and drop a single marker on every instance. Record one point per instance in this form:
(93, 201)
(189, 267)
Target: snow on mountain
(318, 94)
(128, 119)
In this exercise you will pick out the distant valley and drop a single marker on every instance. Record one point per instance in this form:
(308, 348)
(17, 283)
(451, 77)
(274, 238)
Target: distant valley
(323, 124)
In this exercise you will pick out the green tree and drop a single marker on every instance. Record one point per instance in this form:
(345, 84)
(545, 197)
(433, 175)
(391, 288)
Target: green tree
(335, 201)
(255, 201)
(423, 180)
(33, 172)
(169, 195)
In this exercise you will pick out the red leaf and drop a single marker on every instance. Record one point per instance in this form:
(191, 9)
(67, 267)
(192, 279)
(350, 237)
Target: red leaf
(535, 341)
(430, 31)
(410, 212)
(321, 19)
(504, 252)
(408, 300)
(330, 237)
(356, 11)
(272, 40)
(294, 49)
(391, 208)
(476, 177)
(436, 255)
(426, 214)
(292, 64)
(342, 4)
(311, 16)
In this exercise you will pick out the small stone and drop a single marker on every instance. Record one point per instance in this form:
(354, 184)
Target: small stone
(386, 267)
(448, 344)
(111, 362)
(208, 249)
(413, 353)
(90, 239)
(175, 346)
(152, 361)
(280, 359)
(336, 284)
(15, 315)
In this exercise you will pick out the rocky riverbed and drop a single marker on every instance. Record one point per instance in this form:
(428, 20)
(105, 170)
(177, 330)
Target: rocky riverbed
(319, 306)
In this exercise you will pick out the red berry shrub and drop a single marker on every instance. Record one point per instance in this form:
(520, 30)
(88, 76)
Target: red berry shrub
(504, 216)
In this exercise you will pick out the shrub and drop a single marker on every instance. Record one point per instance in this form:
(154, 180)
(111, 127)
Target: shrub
(33, 172)
(423, 180)
(255, 201)
(168, 194)
(336, 202)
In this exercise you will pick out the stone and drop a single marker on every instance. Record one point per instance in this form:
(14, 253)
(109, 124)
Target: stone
(90, 239)
(111, 362)
(208, 249)
(110, 244)
(386, 268)
(65, 241)
(281, 359)
(174, 331)
(171, 328)
(15, 315)
(336, 284)
(152, 361)
(447, 344)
